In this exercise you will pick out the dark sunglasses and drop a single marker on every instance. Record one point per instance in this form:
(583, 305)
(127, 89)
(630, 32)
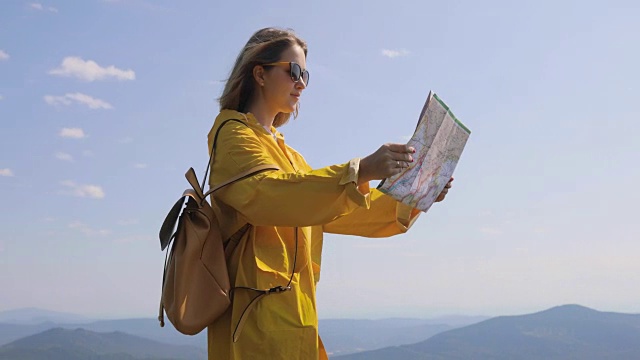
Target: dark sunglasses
(295, 71)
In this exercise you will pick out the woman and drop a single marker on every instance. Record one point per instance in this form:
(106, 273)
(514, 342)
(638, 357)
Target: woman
(289, 209)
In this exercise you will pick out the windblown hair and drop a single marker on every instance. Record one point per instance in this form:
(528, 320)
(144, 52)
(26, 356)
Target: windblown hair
(264, 47)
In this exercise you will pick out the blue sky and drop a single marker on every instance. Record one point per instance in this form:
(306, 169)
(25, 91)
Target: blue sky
(105, 104)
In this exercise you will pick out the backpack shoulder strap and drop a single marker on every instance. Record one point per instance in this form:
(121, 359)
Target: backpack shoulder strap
(245, 174)
(213, 148)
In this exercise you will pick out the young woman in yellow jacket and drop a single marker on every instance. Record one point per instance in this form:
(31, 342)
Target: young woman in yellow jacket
(289, 209)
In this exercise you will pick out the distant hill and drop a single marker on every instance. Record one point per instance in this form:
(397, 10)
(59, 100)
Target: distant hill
(65, 344)
(457, 320)
(343, 336)
(150, 329)
(564, 332)
(13, 332)
(147, 328)
(33, 316)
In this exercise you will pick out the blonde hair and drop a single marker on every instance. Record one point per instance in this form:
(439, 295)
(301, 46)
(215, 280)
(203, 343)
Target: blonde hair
(264, 47)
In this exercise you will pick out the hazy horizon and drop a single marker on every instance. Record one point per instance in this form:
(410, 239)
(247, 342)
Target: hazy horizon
(91, 318)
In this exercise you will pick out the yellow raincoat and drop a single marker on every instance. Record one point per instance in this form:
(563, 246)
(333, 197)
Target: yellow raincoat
(285, 325)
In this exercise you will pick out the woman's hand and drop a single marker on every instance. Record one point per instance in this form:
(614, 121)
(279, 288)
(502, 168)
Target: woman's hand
(444, 191)
(388, 160)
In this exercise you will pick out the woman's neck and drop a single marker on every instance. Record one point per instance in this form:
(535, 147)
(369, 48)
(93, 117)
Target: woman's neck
(262, 113)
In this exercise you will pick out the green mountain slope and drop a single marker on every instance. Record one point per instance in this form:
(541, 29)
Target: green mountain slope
(67, 344)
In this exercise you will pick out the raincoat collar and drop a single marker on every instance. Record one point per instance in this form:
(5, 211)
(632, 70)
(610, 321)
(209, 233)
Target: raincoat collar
(250, 119)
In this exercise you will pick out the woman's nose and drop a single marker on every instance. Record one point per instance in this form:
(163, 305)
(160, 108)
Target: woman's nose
(300, 85)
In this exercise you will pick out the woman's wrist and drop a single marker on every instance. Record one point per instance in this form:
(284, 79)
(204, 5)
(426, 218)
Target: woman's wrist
(363, 174)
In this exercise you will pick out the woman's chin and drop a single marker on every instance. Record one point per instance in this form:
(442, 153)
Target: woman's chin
(291, 108)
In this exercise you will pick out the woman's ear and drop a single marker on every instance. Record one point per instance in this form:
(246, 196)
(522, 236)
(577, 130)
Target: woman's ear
(258, 74)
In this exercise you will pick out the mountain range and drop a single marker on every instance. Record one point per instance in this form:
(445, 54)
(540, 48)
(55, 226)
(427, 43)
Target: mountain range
(340, 336)
(564, 332)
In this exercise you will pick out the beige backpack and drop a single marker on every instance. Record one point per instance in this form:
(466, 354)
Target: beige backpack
(195, 284)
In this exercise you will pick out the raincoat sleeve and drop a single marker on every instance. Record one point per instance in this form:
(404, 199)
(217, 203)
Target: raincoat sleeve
(385, 217)
(279, 198)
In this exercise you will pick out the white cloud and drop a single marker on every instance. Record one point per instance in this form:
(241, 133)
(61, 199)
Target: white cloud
(87, 230)
(490, 230)
(56, 100)
(1, 97)
(140, 166)
(90, 71)
(76, 225)
(133, 238)
(80, 190)
(79, 98)
(6, 172)
(89, 101)
(148, 5)
(64, 156)
(394, 53)
(4, 55)
(127, 222)
(74, 133)
(87, 153)
(40, 7)
(126, 140)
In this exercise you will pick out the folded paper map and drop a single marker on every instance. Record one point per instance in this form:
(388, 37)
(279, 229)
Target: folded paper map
(439, 140)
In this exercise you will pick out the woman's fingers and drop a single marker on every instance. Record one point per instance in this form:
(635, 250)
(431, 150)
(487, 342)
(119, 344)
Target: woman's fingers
(445, 191)
(388, 160)
(401, 148)
(399, 163)
(400, 154)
